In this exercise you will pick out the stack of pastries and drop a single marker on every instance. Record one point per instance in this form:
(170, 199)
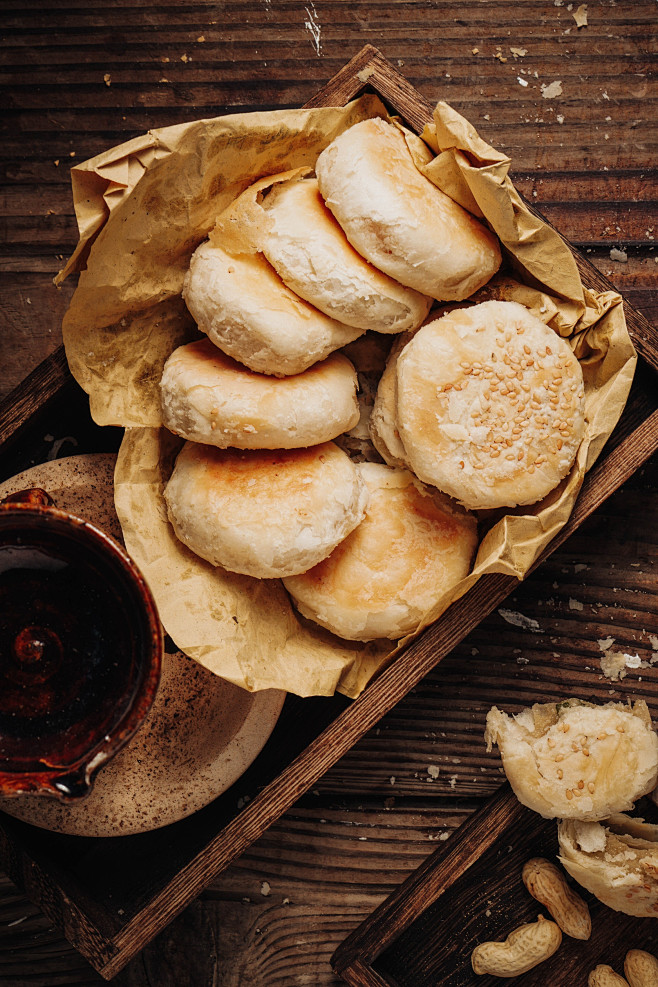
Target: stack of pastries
(478, 408)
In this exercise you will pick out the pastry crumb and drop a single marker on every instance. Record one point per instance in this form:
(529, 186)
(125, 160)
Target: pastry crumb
(520, 620)
(580, 16)
(552, 90)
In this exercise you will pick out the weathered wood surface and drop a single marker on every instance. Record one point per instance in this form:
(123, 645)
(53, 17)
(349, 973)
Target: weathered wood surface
(586, 159)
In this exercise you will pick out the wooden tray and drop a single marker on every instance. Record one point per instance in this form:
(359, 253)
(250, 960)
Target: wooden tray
(470, 891)
(111, 897)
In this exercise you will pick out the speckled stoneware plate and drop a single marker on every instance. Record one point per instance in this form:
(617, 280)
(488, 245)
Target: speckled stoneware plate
(201, 734)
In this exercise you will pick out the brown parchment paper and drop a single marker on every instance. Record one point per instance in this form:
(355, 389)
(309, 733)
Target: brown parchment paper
(142, 210)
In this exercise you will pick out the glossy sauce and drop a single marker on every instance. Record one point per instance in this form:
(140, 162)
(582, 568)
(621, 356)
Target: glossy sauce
(65, 653)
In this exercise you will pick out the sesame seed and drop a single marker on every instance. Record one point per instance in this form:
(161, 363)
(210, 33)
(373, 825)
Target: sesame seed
(526, 348)
(458, 387)
(494, 453)
(559, 757)
(577, 793)
(581, 784)
(464, 364)
(591, 787)
(569, 794)
(560, 774)
(574, 746)
(586, 751)
(620, 728)
(510, 456)
(550, 742)
(602, 736)
(478, 466)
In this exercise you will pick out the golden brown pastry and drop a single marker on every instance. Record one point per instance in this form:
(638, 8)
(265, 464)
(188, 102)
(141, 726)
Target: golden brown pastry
(308, 249)
(245, 309)
(575, 760)
(617, 860)
(490, 405)
(398, 220)
(262, 513)
(208, 397)
(412, 546)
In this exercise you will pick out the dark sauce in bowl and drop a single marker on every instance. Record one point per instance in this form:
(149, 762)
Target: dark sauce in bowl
(76, 647)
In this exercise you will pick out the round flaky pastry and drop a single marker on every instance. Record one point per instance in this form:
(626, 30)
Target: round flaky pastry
(490, 405)
(412, 547)
(244, 307)
(617, 860)
(575, 760)
(264, 514)
(310, 252)
(398, 220)
(382, 424)
(208, 397)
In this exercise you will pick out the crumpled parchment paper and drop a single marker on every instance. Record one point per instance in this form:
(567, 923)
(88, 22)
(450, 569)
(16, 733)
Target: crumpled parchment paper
(142, 210)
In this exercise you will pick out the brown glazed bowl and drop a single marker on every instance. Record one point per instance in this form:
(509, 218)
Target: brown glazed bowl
(80, 649)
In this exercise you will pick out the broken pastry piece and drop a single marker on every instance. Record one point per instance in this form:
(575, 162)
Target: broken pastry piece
(575, 760)
(617, 860)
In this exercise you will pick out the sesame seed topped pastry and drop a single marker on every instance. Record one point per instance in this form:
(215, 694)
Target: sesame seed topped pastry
(311, 254)
(398, 220)
(617, 860)
(208, 397)
(490, 405)
(575, 760)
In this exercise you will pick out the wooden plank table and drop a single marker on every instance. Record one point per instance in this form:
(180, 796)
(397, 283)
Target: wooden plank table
(84, 77)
